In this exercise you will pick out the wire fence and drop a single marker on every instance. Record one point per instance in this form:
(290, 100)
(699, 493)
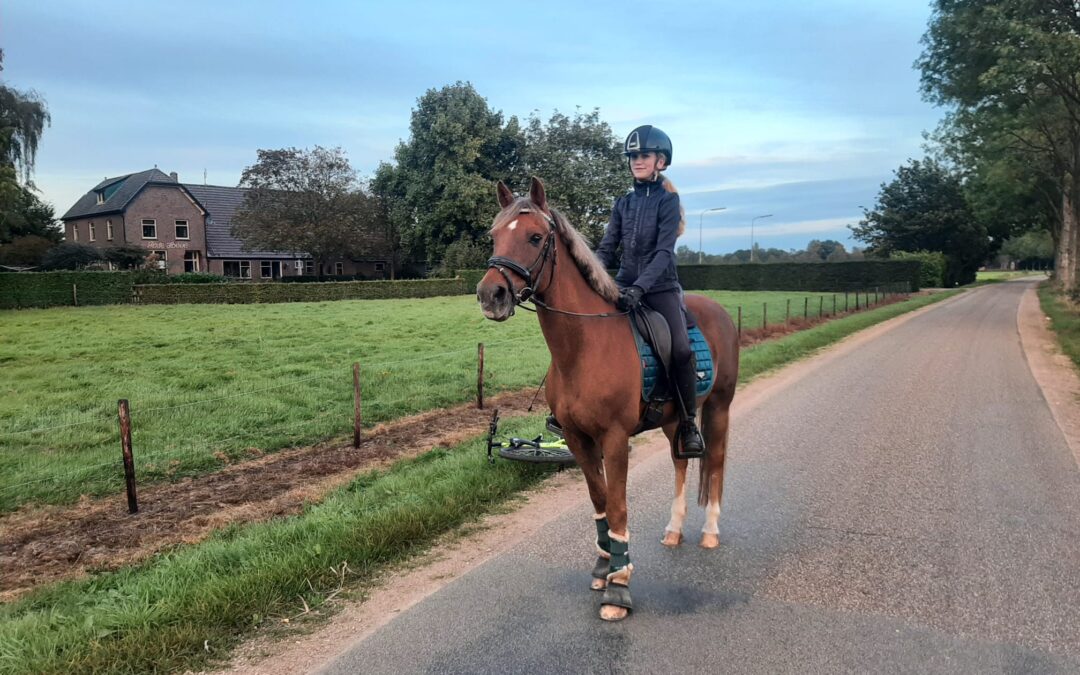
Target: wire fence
(57, 457)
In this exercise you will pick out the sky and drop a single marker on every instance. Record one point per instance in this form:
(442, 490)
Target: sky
(790, 108)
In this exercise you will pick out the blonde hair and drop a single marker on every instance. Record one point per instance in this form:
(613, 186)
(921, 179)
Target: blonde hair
(670, 187)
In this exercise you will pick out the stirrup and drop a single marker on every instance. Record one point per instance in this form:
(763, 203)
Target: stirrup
(689, 429)
(553, 426)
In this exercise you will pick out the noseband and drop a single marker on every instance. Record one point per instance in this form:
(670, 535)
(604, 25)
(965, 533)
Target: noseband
(502, 264)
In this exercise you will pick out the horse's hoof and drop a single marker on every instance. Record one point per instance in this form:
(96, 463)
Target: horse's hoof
(598, 584)
(709, 540)
(613, 613)
(671, 539)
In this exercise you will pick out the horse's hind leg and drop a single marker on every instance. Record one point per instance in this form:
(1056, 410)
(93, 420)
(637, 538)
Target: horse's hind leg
(711, 485)
(673, 531)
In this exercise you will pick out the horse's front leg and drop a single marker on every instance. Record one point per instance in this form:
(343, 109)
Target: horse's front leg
(587, 454)
(673, 532)
(616, 603)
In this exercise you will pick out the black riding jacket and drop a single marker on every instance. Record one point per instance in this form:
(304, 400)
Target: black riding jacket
(645, 221)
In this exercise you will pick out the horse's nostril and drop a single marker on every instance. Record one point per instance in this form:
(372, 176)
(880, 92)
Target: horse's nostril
(500, 291)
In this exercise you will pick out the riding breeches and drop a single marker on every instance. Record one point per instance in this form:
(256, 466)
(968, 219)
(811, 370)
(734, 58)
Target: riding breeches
(670, 305)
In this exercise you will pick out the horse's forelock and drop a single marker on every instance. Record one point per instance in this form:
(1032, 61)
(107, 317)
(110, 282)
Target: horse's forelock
(510, 213)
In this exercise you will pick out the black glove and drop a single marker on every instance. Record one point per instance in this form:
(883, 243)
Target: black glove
(630, 297)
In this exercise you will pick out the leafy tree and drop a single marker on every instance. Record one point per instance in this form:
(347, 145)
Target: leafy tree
(25, 251)
(22, 213)
(23, 117)
(1010, 71)
(464, 254)
(580, 161)
(824, 250)
(1030, 249)
(924, 209)
(439, 190)
(70, 256)
(306, 201)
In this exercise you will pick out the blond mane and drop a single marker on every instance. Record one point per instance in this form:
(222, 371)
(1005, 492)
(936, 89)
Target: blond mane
(576, 245)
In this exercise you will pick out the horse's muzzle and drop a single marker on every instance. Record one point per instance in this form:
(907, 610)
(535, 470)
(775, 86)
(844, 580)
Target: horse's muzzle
(496, 300)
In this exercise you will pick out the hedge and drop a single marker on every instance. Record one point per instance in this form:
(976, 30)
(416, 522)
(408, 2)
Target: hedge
(831, 277)
(934, 264)
(50, 289)
(235, 293)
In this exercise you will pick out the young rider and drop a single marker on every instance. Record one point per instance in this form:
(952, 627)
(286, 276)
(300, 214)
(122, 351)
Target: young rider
(645, 222)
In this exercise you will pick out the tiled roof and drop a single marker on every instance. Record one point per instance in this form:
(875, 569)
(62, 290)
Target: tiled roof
(221, 203)
(118, 200)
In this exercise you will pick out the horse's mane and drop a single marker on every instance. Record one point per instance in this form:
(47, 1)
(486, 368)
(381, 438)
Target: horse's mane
(576, 245)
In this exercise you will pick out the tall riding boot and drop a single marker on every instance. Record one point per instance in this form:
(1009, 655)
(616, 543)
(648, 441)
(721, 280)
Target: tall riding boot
(692, 443)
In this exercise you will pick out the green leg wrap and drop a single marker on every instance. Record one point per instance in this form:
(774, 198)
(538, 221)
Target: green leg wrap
(620, 554)
(603, 541)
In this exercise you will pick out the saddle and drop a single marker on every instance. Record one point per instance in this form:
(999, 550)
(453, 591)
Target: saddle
(653, 337)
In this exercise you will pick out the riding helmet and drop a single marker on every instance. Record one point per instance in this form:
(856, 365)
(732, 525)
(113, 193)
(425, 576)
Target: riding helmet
(648, 139)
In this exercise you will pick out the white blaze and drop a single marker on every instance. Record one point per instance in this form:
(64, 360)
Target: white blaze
(512, 225)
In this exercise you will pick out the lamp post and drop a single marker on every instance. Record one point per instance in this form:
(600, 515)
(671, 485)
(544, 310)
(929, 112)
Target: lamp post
(752, 221)
(701, 238)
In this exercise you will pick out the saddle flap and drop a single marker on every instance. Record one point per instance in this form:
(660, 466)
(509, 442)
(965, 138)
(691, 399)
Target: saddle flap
(654, 328)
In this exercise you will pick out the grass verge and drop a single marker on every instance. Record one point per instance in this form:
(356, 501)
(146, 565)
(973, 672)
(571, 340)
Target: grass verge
(1064, 321)
(187, 608)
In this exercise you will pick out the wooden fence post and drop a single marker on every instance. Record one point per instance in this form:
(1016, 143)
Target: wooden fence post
(129, 458)
(787, 313)
(806, 308)
(833, 304)
(856, 301)
(480, 375)
(764, 315)
(820, 305)
(845, 301)
(75, 294)
(740, 322)
(357, 417)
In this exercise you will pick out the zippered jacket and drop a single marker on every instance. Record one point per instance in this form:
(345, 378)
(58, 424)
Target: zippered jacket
(645, 223)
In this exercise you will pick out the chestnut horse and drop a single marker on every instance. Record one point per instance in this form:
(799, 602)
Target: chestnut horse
(594, 381)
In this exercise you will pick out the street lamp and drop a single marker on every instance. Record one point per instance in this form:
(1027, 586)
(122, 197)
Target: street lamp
(700, 249)
(752, 221)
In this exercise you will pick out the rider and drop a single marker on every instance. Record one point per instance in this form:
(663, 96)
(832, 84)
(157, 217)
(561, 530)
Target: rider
(646, 221)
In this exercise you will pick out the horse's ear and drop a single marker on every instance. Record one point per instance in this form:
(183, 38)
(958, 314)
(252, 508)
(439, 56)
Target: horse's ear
(506, 198)
(536, 193)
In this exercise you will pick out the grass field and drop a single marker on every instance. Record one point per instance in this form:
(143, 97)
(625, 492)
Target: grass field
(990, 276)
(209, 384)
(1064, 321)
(185, 609)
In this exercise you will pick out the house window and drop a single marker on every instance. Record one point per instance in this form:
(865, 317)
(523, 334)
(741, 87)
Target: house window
(108, 230)
(160, 259)
(191, 261)
(339, 268)
(267, 270)
(240, 269)
(93, 232)
(74, 232)
(101, 197)
(309, 267)
(299, 266)
(182, 229)
(149, 229)
(379, 267)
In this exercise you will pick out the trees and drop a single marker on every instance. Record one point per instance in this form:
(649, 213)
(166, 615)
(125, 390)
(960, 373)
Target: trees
(70, 256)
(439, 189)
(1010, 70)
(924, 209)
(580, 160)
(307, 201)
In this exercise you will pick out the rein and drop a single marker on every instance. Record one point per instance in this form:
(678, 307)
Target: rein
(528, 293)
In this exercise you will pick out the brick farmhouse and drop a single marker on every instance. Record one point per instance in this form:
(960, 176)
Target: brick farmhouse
(188, 228)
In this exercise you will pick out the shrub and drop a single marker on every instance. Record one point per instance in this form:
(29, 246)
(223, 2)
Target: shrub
(932, 272)
(70, 256)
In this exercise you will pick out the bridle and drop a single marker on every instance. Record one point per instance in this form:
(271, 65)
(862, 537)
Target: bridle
(528, 293)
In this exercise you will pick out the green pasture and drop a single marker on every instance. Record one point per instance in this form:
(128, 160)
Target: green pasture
(991, 276)
(214, 383)
(185, 609)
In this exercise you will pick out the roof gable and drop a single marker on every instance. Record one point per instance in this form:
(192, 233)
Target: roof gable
(117, 193)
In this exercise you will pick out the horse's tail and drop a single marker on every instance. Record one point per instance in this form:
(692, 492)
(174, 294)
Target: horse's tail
(670, 187)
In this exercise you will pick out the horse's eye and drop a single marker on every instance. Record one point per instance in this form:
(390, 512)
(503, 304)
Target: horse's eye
(535, 240)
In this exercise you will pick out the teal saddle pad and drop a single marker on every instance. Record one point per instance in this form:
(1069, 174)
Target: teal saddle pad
(651, 369)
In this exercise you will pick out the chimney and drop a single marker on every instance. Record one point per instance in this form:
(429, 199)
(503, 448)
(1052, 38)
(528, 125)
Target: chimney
(176, 178)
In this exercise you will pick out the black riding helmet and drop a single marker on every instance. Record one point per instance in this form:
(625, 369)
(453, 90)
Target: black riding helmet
(648, 139)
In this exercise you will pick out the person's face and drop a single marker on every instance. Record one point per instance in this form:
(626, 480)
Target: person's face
(644, 164)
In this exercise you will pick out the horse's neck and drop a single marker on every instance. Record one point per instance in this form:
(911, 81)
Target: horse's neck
(571, 338)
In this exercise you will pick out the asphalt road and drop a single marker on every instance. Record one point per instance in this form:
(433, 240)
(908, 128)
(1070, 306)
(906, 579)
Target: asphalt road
(911, 507)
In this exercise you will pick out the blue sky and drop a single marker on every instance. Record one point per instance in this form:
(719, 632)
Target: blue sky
(791, 108)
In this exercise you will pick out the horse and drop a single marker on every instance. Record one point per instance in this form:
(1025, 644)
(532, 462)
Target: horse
(594, 382)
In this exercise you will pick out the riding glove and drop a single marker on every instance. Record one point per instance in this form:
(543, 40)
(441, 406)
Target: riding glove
(630, 297)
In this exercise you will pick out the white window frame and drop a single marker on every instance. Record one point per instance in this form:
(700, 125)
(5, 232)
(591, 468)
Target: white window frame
(101, 197)
(108, 230)
(93, 232)
(299, 266)
(241, 265)
(162, 258)
(339, 269)
(152, 223)
(266, 269)
(309, 268)
(191, 257)
(74, 232)
(176, 229)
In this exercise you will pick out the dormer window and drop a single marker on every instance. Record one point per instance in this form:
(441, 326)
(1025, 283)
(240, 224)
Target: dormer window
(100, 196)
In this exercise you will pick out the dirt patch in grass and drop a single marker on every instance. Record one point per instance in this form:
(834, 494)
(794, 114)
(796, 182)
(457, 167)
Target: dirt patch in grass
(45, 544)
